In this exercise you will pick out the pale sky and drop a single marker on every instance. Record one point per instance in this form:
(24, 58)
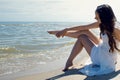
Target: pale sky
(53, 10)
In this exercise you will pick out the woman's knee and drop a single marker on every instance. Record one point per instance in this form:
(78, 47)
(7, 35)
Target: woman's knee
(82, 37)
(83, 32)
(86, 42)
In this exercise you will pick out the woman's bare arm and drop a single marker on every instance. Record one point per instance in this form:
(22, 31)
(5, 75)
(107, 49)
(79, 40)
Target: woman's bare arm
(84, 27)
(78, 28)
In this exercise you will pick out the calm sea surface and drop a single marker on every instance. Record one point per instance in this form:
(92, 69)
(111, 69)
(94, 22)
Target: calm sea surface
(24, 45)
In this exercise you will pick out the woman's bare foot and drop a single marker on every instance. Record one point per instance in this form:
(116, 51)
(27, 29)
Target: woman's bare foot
(53, 32)
(68, 64)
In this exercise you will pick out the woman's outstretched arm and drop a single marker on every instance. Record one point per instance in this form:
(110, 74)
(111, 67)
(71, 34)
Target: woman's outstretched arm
(84, 27)
(77, 28)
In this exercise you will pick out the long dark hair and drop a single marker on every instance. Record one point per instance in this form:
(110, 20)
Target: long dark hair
(108, 19)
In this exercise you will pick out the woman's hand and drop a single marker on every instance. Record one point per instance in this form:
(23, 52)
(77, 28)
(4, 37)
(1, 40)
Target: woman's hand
(61, 33)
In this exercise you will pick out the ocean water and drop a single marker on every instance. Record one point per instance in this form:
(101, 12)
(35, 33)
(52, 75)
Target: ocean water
(24, 45)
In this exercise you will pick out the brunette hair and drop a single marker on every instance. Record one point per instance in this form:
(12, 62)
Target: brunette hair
(108, 19)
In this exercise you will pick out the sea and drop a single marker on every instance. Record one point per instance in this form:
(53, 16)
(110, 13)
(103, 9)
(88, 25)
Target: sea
(25, 45)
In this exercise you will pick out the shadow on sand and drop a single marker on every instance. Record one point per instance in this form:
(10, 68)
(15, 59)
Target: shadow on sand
(75, 71)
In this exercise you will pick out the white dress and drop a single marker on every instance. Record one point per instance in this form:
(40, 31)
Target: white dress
(102, 61)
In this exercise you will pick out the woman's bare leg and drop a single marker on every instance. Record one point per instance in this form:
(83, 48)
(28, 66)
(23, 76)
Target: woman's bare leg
(83, 41)
(75, 51)
(68, 34)
(86, 39)
(78, 33)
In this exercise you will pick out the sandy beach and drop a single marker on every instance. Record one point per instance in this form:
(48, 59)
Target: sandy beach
(72, 74)
(53, 71)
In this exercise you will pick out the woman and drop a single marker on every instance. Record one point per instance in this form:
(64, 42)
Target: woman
(103, 50)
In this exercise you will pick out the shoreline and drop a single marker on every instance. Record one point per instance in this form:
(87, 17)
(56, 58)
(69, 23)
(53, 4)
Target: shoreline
(73, 74)
(37, 70)
(45, 68)
(53, 71)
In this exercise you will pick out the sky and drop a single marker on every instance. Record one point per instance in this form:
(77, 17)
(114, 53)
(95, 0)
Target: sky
(53, 10)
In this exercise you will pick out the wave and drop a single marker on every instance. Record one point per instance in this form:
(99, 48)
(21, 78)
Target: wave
(9, 50)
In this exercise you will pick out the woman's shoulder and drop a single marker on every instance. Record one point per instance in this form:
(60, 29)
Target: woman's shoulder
(117, 31)
(117, 24)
